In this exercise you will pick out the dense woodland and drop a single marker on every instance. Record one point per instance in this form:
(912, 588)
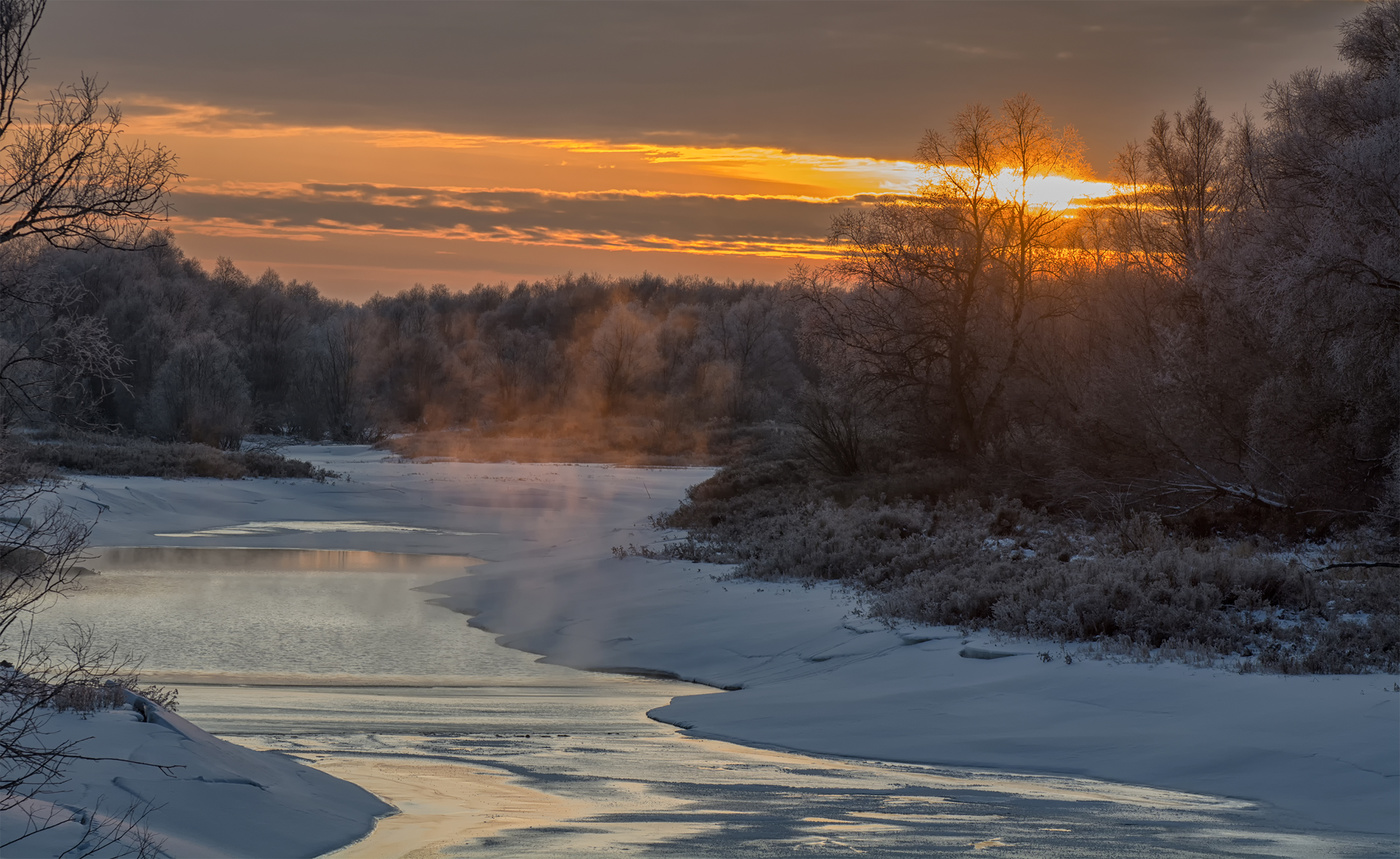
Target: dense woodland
(210, 357)
(1214, 352)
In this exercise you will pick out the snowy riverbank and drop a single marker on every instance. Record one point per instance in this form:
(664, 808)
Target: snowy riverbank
(201, 796)
(1317, 753)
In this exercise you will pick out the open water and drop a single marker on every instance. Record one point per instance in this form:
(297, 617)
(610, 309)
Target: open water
(334, 657)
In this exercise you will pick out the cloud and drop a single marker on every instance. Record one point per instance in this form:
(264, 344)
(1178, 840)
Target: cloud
(854, 78)
(977, 51)
(612, 220)
(824, 174)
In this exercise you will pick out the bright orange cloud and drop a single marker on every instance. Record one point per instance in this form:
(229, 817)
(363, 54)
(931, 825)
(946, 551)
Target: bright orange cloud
(254, 180)
(225, 143)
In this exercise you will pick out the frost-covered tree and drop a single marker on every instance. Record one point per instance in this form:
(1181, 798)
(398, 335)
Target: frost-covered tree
(49, 348)
(67, 179)
(746, 339)
(200, 394)
(1247, 350)
(333, 397)
(623, 354)
(1317, 263)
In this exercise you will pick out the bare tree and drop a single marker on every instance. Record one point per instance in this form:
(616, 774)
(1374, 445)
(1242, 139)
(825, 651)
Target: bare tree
(66, 175)
(623, 352)
(1182, 189)
(67, 180)
(935, 296)
(40, 545)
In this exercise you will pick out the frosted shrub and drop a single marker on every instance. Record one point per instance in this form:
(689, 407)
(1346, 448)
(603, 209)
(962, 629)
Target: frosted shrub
(88, 697)
(1141, 531)
(1130, 585)
(869, 542)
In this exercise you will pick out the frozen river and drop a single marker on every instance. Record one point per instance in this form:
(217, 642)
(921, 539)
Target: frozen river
(333, 656)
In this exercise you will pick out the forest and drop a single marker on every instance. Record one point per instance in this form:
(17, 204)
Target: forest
(212, 357)
(1166, 421)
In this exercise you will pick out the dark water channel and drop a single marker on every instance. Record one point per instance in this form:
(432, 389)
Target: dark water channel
(333, 656)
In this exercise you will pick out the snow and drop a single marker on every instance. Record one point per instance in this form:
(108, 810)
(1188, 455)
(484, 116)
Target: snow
(208, 797)
(1317, 753)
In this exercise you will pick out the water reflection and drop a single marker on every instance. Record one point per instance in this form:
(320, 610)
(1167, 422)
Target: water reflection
(296, 526)
(487, 772)
(199, 613)
(332, 656)
(135, 561)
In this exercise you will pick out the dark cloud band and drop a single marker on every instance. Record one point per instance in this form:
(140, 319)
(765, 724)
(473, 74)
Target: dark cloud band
(595, 218)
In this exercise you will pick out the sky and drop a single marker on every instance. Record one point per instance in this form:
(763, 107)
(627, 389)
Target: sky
(368, 146)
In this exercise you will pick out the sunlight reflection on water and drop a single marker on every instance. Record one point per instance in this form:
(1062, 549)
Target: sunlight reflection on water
(333, 657)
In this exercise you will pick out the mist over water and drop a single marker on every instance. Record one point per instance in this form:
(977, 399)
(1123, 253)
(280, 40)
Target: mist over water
(333, 656)
(273, 615)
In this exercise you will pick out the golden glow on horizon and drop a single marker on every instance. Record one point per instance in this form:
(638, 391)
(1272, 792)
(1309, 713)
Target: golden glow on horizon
(259, 183)
(728, 171)
(227, 143)
(1054, 192)
(325, 230)
(448, 195)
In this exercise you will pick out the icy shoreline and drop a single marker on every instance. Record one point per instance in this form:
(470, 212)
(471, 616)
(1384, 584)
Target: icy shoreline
(196, 794)
(1317, 753)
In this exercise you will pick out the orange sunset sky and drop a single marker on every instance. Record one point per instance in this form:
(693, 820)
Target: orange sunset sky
(369, 146)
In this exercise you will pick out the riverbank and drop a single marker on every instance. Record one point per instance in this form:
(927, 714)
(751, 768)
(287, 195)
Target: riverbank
(1318, 753)
(193, 793)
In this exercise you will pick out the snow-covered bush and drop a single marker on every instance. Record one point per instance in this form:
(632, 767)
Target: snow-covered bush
(1129, 584)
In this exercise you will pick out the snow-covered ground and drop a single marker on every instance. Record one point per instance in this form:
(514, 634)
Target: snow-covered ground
(1314, 752)
(209, 798)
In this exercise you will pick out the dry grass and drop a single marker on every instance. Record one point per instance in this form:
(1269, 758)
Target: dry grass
(92, 453)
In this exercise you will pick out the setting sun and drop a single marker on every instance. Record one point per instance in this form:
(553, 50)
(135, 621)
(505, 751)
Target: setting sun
(1054, 192)
(1000, 425)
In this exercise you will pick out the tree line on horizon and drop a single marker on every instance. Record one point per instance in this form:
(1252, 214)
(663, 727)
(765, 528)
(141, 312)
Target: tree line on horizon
(213, 356)
(1225, 331)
